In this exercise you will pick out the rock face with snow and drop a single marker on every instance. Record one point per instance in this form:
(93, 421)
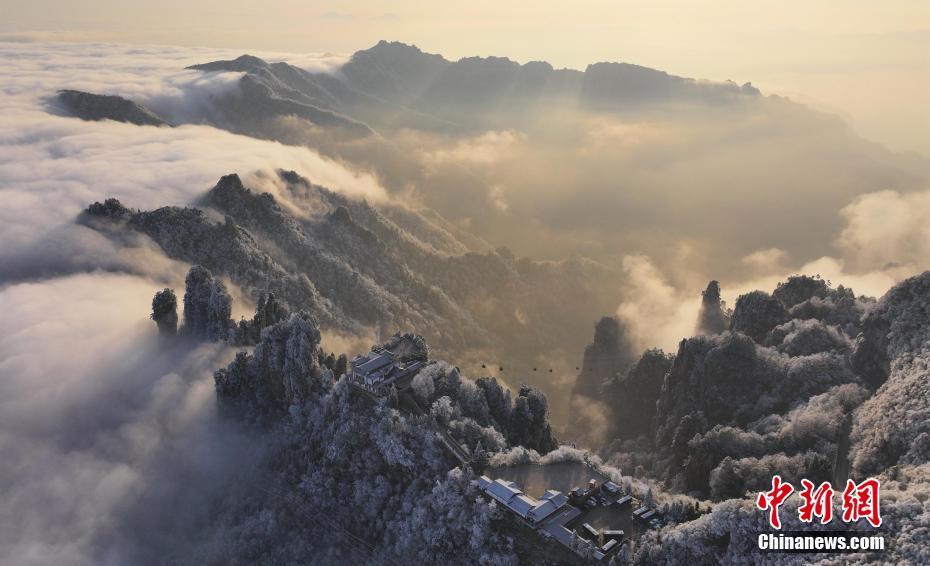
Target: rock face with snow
(730, 380)
(271, 91)
(734, 412)
(207, 308)
(484, 411)
(89, 106)
(370, 469)
(731, 406)
(323, 437)
(353, 267)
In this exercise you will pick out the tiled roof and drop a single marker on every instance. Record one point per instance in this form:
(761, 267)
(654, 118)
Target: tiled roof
(375, 363)
(522, 504)
(502, 490)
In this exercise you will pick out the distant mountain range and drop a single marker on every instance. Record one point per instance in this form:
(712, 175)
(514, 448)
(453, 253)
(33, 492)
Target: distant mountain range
(395, 85)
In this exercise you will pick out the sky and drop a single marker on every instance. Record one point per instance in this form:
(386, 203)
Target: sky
(867, 61)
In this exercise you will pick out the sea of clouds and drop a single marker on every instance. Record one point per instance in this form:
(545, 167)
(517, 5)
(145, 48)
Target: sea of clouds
(99, 427)
(106, 439)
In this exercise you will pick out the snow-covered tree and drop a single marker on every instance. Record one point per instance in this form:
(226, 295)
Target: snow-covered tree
(756, 314)
(207, 305)
(165, 312)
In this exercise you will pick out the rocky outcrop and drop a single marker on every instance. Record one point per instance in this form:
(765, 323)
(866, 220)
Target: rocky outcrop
(224, 248)
(111, 209)
(282, 371)
(632, 395)
(89, 106)
(268, 311)
(165, 313)
(713, 317)
(207, 306)
(268, 92)
(610, 354)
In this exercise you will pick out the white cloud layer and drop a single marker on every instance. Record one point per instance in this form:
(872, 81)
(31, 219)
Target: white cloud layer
(100, 429)
(95, 417)
(51, 167)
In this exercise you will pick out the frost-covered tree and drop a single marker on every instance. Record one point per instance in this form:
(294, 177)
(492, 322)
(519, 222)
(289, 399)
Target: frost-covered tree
(422, 385)
(797, 432)
(730, 381)
(408, 347)
(482, 406)
(282, 371)
(207, 305)
(756, 314)
(529, 421)
(800, 288)
(110, 208)
(729, 533)
(343, 469)
(891, 427)
(268, 311)
(807, 337)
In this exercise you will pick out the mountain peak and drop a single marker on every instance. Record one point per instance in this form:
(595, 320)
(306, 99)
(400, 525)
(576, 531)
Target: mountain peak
(228, 190)
(243, 64)
(393, 53)
(397, 46)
